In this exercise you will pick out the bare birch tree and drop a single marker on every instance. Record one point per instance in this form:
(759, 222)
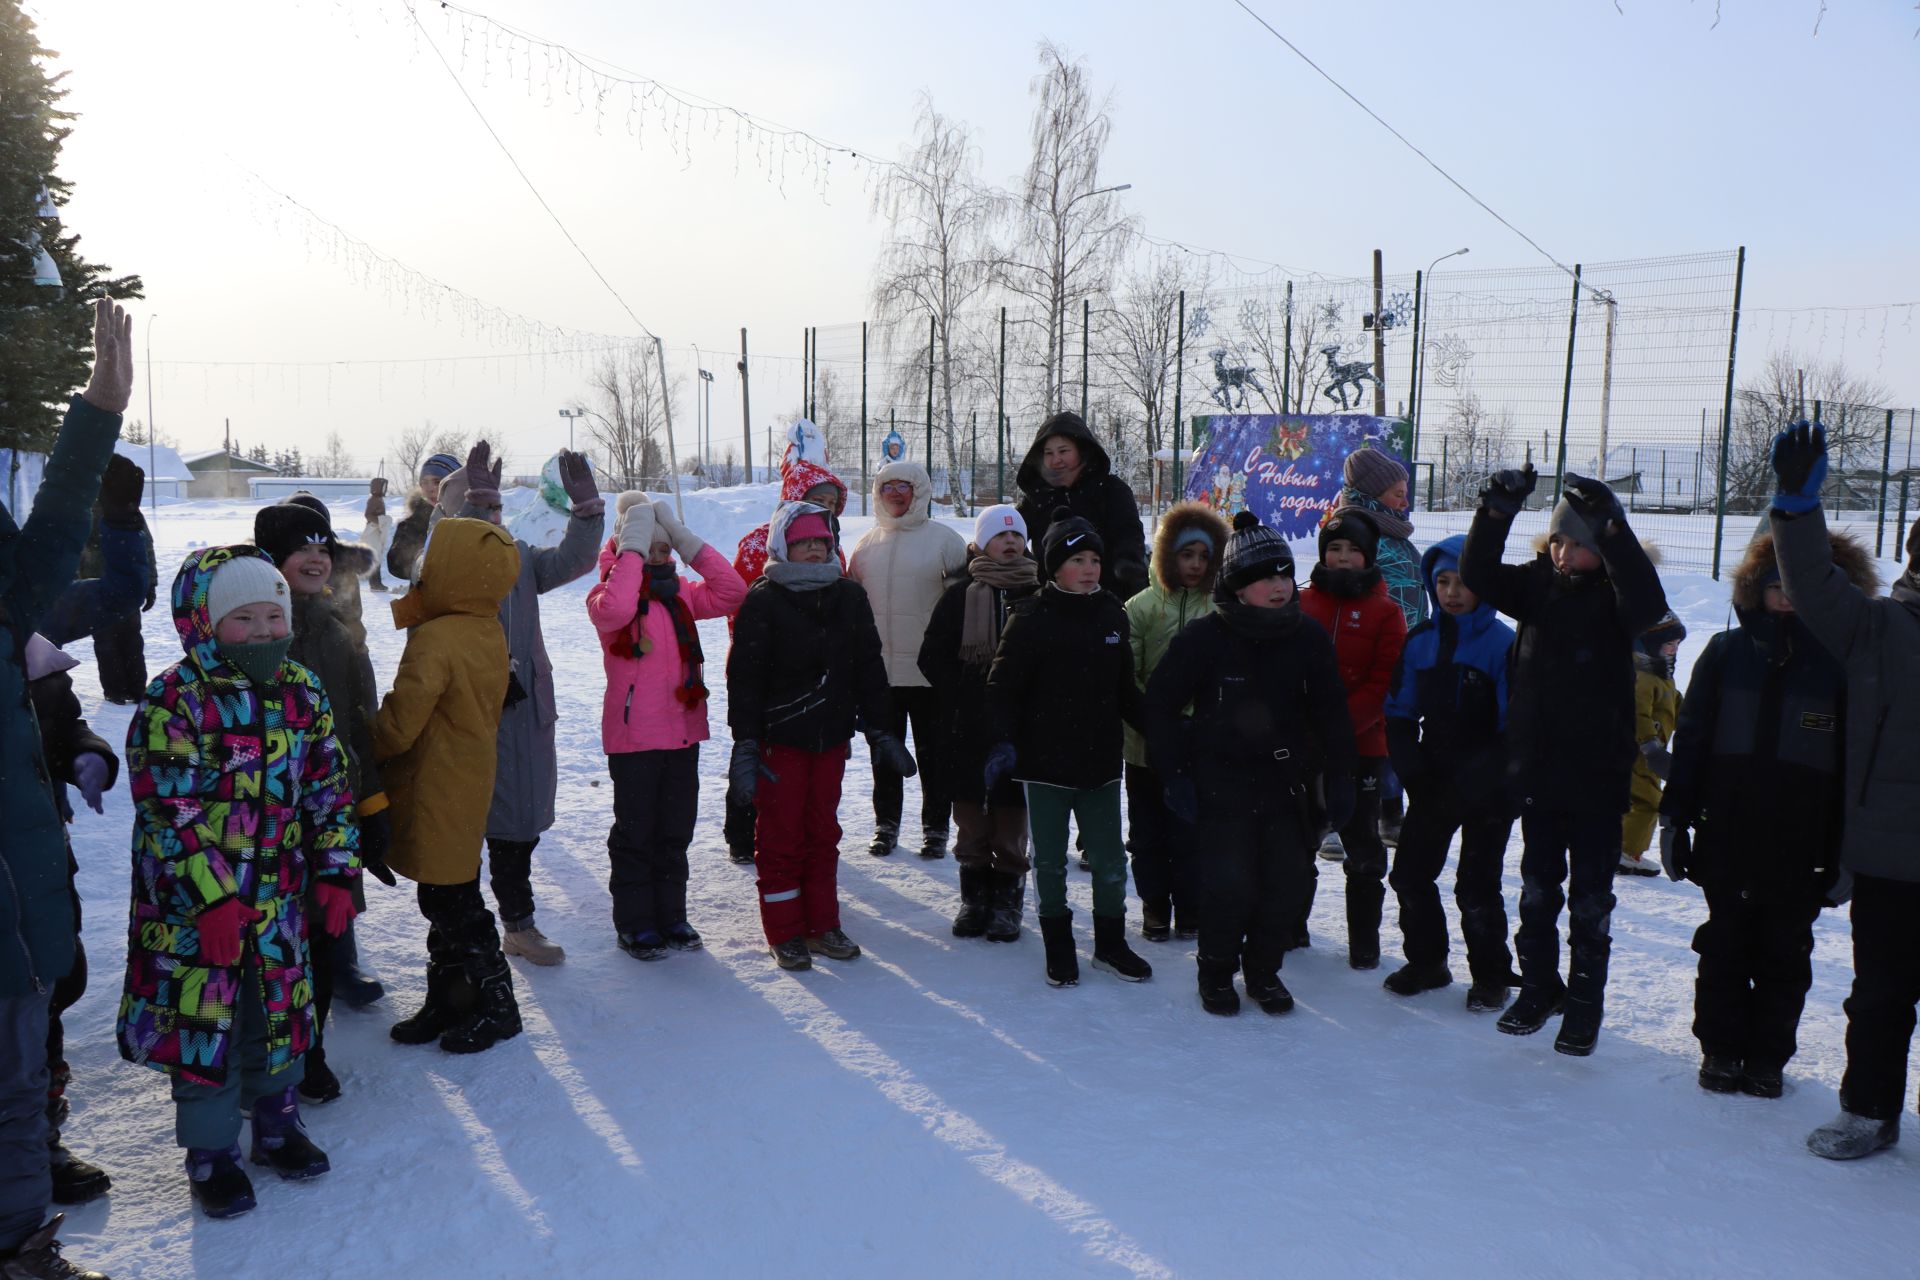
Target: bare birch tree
(632, 411)
(1142, 337)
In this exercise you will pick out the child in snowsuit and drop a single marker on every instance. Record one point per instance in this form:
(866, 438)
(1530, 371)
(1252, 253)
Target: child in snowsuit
(955, 656)
(1752, 814)
(1656, 708)
(1580, 604)
(1348, 598)
(1061, 684)
(1186, 562)
(1268, 716)
(117, 642)
(1877, 642)
(1446, 722)
(655, 714)
(243, 819)
(301, 542)
(905, 563)
(800, 481)
(434, 738)
(76, 757)
(804, 670)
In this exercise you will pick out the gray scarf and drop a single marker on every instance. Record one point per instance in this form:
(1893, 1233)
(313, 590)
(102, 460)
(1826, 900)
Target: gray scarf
(803, 577)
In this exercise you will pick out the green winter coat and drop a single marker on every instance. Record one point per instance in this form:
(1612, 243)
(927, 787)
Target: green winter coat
(1162, 611)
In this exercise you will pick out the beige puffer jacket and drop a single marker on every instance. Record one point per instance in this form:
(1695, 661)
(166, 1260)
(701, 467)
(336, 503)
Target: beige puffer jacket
(905, 563)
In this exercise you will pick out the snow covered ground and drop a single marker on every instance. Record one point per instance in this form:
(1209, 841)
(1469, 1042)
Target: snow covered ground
(935, 1109)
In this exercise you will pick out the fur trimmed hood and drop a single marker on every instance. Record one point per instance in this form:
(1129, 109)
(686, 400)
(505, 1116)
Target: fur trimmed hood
(1761, 563)
(1180, 518)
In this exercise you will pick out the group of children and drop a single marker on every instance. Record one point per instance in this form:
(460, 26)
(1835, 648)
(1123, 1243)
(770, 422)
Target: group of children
(1245, 715)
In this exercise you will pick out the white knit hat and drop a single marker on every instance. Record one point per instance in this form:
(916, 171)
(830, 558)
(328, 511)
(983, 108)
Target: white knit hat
(995, 521)
(242, 581)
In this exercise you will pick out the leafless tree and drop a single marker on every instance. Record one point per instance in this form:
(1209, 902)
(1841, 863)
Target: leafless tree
(1477, 442)
(1070, 230)
(1287, 383)
(334, 460)
(416, 444)
(1142, 336)
(1787, 388)
(939, 258)
(632, 412)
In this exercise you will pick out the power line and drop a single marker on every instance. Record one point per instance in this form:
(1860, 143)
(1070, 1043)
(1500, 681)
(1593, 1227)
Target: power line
(501, 143)
(1458, 185)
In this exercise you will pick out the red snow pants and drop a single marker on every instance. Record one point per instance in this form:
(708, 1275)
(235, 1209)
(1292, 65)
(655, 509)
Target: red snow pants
(796, 837)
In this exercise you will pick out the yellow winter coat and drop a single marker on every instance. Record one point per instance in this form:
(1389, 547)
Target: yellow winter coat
(1656, 705)
(434, 736)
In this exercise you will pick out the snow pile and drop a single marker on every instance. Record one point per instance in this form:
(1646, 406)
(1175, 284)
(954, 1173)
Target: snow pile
(934, 1109)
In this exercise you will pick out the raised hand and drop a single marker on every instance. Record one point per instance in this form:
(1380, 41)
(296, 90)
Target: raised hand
(1505, 492)
(111, 385)
(1800, 461)
(576, 477)
(483, 473)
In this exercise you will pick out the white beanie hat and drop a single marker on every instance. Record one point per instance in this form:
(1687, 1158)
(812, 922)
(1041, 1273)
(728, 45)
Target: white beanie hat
(242, 581)
(995, 521)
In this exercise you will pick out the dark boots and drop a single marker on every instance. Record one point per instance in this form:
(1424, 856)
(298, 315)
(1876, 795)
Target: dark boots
(1579, 1027)
(1063, 965)
(1412, 979)
(449, 999)
(1111, 952)
(1217, 995)
(280, 1141)
(1009, 900)
(1365, 895)
(976, 901)
(1532, 1008)
(496, 1014)
(38, 1257)
(220, 1185)
(319, 1084)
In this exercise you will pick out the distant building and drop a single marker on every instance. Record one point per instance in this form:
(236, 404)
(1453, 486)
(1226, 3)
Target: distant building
(167, 475)
(218, 473)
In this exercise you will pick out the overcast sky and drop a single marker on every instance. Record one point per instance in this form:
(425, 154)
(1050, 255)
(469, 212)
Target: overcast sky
(1603, 135)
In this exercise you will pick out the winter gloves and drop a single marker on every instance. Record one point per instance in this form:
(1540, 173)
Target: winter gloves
(999, 764)
(90, 773)
(335, 903)
(120, 490)
(1658, 758)
(1340, 800)
(685, 544)
(744, 771)
(376, 837)
(890, 751)
(220, 928)
(111, 384)
(636, 528)
(1676, 846)
(576, 477)
(1800, 460)
(483, 476)
(1505, 492)
(1593, 502)
(1183, 800)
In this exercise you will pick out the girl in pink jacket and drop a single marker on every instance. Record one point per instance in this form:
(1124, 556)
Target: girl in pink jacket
(655, 715)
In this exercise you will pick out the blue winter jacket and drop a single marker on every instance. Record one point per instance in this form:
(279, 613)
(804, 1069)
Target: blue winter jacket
(1447, 711)
(37, 561)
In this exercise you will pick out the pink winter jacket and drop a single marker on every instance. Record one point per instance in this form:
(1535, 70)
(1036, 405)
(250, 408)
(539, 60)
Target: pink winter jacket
(641, 712)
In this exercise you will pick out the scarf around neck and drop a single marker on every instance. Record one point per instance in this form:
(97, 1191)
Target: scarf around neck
(1260, 624)
(803, 577)
(980, 629)
(1390, 522)
(661, 584)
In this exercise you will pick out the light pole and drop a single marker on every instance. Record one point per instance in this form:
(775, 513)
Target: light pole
(1059, 267)
(153, 489)
(572, 416)
(1420, 353)
(706, 431)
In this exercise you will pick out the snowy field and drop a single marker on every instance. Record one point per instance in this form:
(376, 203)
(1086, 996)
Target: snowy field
(934, 1109)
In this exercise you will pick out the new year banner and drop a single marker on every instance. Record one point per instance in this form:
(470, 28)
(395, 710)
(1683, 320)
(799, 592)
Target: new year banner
(1285, 468)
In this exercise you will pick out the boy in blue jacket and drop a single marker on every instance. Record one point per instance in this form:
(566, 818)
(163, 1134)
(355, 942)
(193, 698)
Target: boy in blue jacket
(1446, 736)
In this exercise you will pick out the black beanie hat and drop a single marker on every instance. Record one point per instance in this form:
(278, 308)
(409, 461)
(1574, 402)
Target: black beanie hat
(285, 527)
(1357, 527)
(1068, 538)
(1253, 552)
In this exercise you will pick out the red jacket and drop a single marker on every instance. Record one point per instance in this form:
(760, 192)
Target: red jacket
(796, 477)
(1368, 633)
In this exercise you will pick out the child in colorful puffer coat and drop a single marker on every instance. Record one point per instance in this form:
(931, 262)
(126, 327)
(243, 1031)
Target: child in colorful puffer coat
(1446, 733)
(1348, 598)
(804, 671)
(241, 804)
(1656, 704)
(435, 739)
(1765, 718)
(655, 715)
(1186, 561)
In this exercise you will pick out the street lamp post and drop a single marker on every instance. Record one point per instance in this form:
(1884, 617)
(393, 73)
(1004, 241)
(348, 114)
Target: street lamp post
(153, 489)
(706, 432)
(1420, 355)
(572, 416)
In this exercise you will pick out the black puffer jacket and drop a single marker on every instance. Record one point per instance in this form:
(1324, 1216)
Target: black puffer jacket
(1269, 711)
(1098, 497)
(323, 643)
(409, 538)
(962, 693)
(1061, 685)
(1570, 713)
(805, 669)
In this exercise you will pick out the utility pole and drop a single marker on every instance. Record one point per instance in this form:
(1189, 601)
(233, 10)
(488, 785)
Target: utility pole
(153, 469)
(1606, 379)
(1379, 341)
(746, 415)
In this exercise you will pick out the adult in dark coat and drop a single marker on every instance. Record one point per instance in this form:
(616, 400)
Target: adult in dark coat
(1067, 473)
(118, 648)
(1580, 604)
(410, 535)
(37, 561)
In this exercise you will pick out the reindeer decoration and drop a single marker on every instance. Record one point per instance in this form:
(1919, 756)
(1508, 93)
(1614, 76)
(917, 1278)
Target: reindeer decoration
(1344, 374)
(1232, 378)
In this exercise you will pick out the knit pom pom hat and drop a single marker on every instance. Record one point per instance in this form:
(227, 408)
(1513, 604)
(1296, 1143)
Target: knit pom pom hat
(1372, 472)
(1253, 552)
